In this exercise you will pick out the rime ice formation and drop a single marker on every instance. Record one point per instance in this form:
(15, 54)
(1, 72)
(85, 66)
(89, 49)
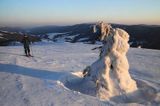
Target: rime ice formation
(111, 71)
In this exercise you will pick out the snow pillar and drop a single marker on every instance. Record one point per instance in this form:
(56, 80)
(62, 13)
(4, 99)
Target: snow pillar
(111, 71)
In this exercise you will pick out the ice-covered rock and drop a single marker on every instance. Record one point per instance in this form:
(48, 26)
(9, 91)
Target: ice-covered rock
(111, 71)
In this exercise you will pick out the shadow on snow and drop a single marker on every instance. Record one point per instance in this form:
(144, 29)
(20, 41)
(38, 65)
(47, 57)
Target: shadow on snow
(42, 74)
(143, 94)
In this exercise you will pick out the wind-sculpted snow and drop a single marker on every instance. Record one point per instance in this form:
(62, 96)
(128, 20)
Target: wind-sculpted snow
(110, 72)
(53, 77)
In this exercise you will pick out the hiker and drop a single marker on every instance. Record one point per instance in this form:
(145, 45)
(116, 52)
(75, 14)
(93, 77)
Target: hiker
(26, 43)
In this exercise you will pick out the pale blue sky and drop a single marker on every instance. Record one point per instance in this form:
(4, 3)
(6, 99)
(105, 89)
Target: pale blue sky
(66, 12)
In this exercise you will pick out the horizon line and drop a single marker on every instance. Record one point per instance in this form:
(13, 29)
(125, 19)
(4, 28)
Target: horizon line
(60, 25)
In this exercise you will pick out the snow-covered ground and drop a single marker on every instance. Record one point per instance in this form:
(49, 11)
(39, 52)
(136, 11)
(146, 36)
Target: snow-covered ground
(44, 80)
(52, 35)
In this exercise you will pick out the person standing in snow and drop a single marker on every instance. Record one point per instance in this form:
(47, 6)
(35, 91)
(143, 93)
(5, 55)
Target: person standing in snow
(26, 43)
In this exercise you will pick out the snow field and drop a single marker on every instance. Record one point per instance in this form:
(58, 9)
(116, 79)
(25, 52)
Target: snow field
(53, 76)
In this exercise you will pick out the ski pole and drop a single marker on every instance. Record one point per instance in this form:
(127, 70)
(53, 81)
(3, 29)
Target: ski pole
(31, 50)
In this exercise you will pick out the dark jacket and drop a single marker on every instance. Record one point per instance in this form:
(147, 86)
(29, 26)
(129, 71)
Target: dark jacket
(26, 41)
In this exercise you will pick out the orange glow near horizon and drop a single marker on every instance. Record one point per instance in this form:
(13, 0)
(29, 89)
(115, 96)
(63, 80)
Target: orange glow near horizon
(62, 12)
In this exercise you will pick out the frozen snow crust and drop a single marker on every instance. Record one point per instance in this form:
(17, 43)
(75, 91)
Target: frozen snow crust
(110, 72)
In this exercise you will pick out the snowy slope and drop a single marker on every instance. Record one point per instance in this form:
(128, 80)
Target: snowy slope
(42, 80)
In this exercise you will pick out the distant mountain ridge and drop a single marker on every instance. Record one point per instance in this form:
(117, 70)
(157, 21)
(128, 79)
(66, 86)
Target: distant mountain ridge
(145, 36)
(12, 38)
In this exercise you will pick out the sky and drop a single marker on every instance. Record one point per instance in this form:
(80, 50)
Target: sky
(68, 12)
